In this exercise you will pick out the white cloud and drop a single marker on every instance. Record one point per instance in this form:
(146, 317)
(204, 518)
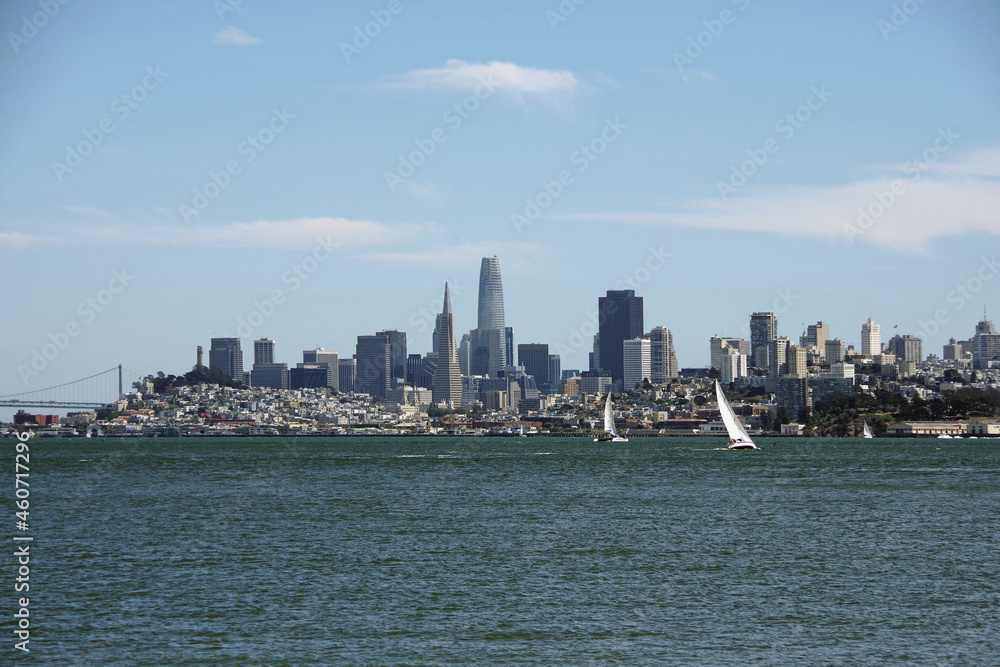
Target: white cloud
(506, 77)
(948, 199)
(233, 36)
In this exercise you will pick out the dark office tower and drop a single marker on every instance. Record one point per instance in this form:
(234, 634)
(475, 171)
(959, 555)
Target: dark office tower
(620, 319)
(397, 355)
(373, 372)
(535, 359)
(555, 373)
(447, 387)
(348, 371)
(226, 355)
(417, 372)
(508, 334)
(263, 351)
(490, 295)
(763, 329)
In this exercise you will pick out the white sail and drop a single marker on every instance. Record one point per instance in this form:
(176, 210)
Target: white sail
(739, 439)
(610, 434)
(609, 420)
(868, 432)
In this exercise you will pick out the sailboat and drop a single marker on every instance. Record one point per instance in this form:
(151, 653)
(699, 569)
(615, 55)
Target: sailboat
(867, 433)
(610, 434)
(738, 437)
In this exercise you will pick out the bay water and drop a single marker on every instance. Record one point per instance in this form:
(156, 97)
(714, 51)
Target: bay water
(511, 551)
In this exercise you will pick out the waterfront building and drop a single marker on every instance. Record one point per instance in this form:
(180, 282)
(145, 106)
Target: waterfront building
(226, 355)
(620, 319)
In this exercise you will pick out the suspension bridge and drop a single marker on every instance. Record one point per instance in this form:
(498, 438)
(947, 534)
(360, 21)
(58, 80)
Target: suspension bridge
(87, 393)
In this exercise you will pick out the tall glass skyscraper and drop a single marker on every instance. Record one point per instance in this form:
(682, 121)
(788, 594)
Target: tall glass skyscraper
(226, 355)
(489, 349)
(490, 295)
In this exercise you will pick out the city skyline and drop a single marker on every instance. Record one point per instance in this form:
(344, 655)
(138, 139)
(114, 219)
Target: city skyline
(249, 173)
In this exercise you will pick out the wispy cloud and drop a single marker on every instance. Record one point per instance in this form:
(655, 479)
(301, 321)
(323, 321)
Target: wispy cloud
(297, 233)
(901, 213)
(504, 77)
(233, 36)
(518, 256)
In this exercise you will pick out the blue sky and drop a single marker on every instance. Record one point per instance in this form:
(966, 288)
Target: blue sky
(231, 158)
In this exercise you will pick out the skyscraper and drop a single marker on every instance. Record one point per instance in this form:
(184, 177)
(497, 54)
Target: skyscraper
(490, 295)
(226, 355)
(664, 359)
(263, 351)
(907, 348)
(447, 387)
(763, 329)
(535, 359)
(619, 320)
(985, 345)
(777, 357)
(397, 356)
(488, 351)
(373, 367)
(637, 362)
(871, 338)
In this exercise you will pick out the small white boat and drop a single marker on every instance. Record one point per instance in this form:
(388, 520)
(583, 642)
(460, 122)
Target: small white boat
(738, 436)
(610, 434)
(944, 436)
(868, 432)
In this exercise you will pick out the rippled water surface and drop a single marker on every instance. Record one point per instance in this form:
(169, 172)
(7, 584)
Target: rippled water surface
(548, 551)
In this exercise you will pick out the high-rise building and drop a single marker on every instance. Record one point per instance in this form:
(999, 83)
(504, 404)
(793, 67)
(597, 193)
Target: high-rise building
(796, 358)
(226, 355)
(488, 352)
(324, 358)
(464, 355)
(595, 356)
(907, 348)
(535, 359)
(508, 336)
(871, 338)
(263, 351)
(763, 330)
(447, 387)
(348, 371)
(619, 320)
(834, 351)
(816, 336)
(555, 373)
(308, 376)
(777, 357)
(717, 347)
(491, 315)
(985, 345)
(734, 365)
(397, 356)
(373, 368)
(637, 359)
(664, 359)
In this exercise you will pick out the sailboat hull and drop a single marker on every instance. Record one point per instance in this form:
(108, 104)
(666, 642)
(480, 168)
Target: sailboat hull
(742, 445)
